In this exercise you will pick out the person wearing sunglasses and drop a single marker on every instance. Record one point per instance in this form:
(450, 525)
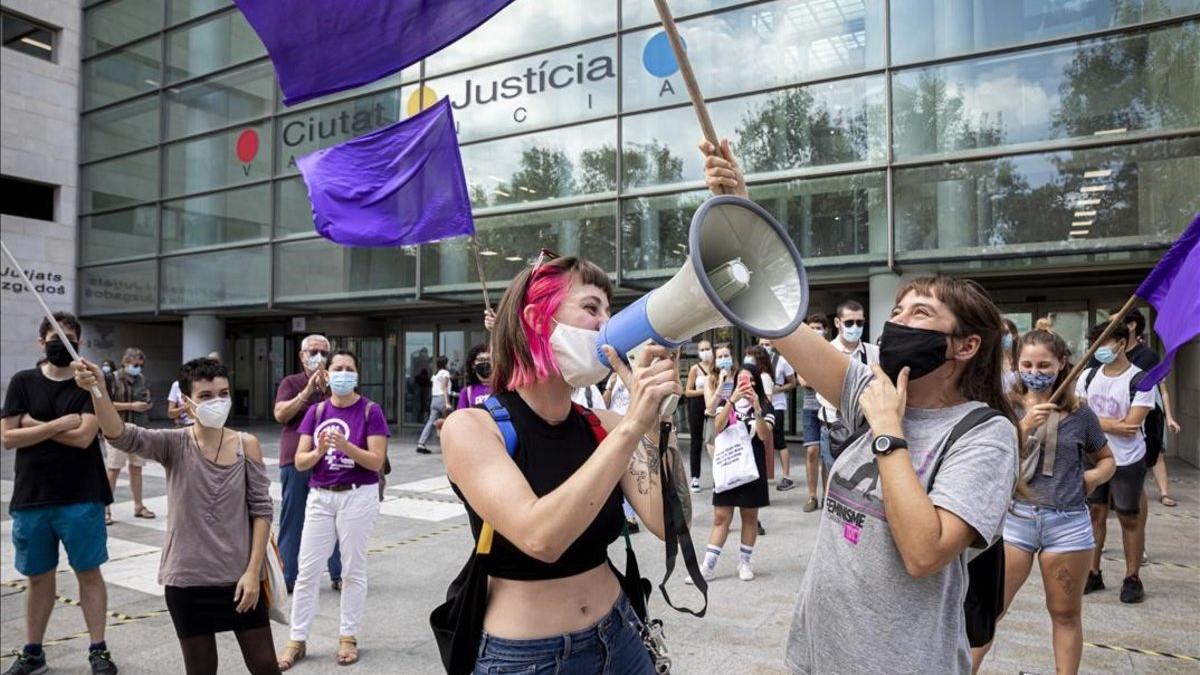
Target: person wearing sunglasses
(850, 321)
(297, 393)
(553, 602)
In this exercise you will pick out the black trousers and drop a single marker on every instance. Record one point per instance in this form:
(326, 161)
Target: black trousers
(696, 421)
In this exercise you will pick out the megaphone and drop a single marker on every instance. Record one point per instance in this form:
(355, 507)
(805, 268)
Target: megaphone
(742, 270)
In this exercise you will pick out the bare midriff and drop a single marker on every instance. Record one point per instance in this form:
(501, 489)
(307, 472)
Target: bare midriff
(527, 610)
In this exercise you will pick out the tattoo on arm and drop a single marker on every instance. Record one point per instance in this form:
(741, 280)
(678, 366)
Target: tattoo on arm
(644, 466)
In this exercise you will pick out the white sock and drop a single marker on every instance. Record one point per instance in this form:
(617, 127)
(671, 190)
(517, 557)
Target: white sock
(744, 553)
(710, 556)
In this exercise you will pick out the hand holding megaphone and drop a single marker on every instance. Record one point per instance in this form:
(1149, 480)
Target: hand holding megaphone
(652, 379)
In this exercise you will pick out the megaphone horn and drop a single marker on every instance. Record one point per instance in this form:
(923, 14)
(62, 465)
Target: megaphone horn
(742, 269)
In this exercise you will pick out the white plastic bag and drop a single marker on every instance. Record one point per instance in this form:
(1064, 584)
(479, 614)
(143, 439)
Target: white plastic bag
(733, 458)
(274, 587)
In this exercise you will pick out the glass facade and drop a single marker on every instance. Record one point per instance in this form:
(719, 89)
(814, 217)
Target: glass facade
(975, 135)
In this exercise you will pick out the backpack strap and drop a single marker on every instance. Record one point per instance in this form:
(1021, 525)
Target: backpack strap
(1133, 385)
(1088, 376)
(862, 354)
(969, 421)
(594, 423)
(504, 421)
(320, 414)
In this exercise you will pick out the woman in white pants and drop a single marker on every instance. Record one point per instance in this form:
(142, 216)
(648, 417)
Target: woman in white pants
(349, 449)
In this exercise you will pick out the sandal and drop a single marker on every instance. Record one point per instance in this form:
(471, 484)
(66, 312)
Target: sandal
(1166, 500)
(292, 654)
(108, 519)
(143, 512)
(347, 651)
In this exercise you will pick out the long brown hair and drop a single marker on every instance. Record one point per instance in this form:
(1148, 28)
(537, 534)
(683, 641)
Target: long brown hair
(1057, 346)
(521, 354)
(974, 314)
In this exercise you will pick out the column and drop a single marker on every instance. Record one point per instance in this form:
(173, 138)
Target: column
(203, 334)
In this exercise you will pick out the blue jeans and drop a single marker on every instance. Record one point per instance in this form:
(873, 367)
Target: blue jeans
(826, 448)
(291, 524)
(611, 647)
(437, 410)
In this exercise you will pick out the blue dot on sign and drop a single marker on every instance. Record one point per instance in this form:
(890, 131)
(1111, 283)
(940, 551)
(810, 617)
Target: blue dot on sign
(658, 58)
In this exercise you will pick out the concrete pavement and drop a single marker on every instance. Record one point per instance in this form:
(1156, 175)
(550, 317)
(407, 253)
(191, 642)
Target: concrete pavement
(421, 541)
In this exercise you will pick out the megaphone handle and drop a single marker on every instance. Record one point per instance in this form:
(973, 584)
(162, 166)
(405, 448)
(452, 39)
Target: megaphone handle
(668, 406)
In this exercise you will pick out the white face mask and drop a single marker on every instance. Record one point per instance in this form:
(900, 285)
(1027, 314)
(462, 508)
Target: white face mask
(213, 412)
(706, 355)
(575, 352)
(315, 361)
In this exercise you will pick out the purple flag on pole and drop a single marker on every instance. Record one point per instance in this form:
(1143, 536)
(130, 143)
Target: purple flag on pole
(322, 46)
(1173, 289)
(397, 186)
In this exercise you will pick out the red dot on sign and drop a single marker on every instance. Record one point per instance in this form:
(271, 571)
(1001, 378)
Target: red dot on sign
(247, 145)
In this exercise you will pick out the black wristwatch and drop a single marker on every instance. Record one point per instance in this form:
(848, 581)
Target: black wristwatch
(885, 445)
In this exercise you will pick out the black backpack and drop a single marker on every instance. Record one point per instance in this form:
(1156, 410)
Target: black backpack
(985, 572)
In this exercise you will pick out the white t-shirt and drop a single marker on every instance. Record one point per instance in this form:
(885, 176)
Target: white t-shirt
(580, 396)
(619, 401)
(1109, 397)
(441, 383)
(829, 412)
(176, 397)
(783, 370)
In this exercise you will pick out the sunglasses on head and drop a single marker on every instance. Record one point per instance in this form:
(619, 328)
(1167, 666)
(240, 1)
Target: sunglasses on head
(853, 322)
(544, 256)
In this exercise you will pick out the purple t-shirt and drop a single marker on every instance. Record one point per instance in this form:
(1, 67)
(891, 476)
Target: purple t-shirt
(472, 395)
(335, 468)
(289, 387)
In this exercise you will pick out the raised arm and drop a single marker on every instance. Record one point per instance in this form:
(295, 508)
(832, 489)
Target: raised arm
(156, 444)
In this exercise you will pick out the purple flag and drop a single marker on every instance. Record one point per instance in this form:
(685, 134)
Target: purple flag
(1173, 289)
(322, 46)
(400, 185)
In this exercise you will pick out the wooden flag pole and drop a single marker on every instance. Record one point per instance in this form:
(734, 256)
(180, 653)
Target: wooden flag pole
(46, 308)
(689, 77)
(487, 301)
(1113, 321)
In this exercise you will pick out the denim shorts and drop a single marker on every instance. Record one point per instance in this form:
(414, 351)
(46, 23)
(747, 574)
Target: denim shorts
(612, 647)
(80, 527)
(812, 427)
(826, 448)
(1040, 528)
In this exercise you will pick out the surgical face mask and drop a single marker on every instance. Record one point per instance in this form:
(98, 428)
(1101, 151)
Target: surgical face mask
(575, 352)
(213, 412)
(483, 370)
(133, 370)
(706, 355)
(725, 363)
(1006, 341)
(343, 382)
(922, 350)
(749, 361)
(58, 354)
(1105, 355)
(105, 369)
(1036, 380)
(314, 361)
(852, 333)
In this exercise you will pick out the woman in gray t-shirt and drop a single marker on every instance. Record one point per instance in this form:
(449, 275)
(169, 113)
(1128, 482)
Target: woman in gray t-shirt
(1049, 518)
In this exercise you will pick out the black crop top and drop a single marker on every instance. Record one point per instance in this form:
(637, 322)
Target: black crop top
(548, 454)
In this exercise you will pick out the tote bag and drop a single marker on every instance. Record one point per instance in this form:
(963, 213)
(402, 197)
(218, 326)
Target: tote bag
(733, 457)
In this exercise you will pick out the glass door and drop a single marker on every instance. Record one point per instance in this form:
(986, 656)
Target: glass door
(418, 359)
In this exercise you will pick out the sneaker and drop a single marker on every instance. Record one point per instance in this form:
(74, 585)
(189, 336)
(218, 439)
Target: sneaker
(633, 526)
(336, 584)
(1132, 590)
(1145, 559)
(695, 485)
(745, 573)
(761, 530)
(1095, 582)
(785, 484)
(27, 664)
(811, 505)
(101, 662)
(705, 571)
(422, 450)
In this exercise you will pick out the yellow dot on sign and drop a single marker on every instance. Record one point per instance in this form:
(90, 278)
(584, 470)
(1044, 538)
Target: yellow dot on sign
(415, 100)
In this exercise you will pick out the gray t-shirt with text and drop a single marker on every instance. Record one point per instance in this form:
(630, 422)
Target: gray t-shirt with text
(1079, 438)
(858, 610)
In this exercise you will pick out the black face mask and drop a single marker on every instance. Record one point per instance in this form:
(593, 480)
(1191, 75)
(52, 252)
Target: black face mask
(58, 354)
(483, 370)
(922, 350)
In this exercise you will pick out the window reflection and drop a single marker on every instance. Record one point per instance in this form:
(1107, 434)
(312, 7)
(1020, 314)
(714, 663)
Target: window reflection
(764, 45)
(228, 158)
(122, 74)
(936, 28)
(120, 234)
(210, 45)
(1124, 195)
(119, 129)
(220, 278)
(221, 218)
(319, 269)
(226, 99)
(1144, 81)
(118, 22)
(119, 182)
(116, 289)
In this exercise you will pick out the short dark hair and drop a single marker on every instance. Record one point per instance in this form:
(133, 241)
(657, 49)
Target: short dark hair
(442, 361)
(1136, 318)
(849, 305)
(65, 319)
(202, 369)
(1119, 332)
(818, 318)
(345, 352)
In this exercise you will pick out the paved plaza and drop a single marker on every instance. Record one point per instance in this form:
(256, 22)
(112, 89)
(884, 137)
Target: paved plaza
(421, 541)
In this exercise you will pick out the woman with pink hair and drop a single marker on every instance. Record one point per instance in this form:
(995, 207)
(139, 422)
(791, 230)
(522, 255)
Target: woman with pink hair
(553, 601)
